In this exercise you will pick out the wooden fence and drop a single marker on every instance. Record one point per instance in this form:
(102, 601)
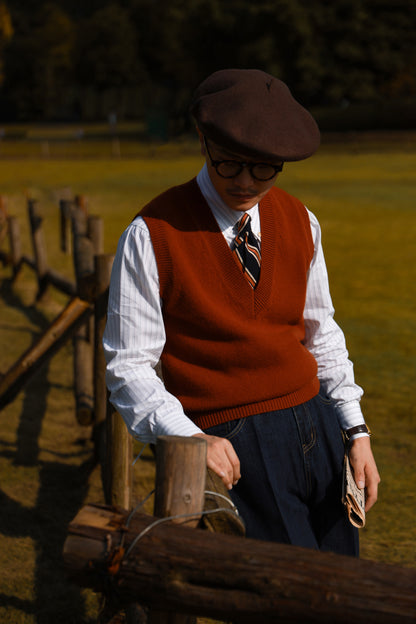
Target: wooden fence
(82, 320)
(161, 569)
(180, 572)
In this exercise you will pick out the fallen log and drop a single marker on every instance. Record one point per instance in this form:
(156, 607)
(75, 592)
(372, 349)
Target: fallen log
(160, 564)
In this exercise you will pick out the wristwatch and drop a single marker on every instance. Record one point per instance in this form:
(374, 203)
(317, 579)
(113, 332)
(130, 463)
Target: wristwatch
(358, 429)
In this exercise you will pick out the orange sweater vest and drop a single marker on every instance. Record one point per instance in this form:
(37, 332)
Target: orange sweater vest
(232, 351)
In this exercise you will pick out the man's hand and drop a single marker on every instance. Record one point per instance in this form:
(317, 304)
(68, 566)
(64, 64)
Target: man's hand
(222, 459)
(365, 469)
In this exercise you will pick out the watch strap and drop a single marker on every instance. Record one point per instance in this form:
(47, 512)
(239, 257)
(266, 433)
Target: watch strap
(358, 429)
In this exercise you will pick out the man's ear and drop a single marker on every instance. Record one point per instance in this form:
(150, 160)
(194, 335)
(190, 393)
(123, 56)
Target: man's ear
(201, 141)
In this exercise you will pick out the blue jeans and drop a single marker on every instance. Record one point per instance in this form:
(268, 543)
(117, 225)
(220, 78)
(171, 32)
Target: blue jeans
(291, 476)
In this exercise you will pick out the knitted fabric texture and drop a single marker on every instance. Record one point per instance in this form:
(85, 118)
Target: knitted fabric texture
(232, 351)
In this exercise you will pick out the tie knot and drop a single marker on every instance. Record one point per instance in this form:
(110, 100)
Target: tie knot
(244, 223)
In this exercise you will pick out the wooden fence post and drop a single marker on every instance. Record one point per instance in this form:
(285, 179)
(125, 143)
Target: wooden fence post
(81, 203)
(39, 247)
(103, 265)
(15, 245)
(83, 254)
(119, 465)
(3, 219)
(95, 233)
(65, 209)
(180, 478)
(118, 456)
(180, 489)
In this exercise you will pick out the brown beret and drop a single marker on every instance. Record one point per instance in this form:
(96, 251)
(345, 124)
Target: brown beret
(252, 113)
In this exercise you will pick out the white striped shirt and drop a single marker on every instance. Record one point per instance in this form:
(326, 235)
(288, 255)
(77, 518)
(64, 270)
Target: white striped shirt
(135, 335)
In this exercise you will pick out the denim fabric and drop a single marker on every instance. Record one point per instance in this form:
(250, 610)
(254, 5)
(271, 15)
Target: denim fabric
(291, 476)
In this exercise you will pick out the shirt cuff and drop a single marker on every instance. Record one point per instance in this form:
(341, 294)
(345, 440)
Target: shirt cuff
(350, 415)
(180, 426)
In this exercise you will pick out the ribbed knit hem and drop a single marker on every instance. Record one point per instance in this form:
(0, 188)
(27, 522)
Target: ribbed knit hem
(205, 420)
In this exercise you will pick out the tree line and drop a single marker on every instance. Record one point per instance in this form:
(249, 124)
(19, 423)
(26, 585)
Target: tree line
(131, 58)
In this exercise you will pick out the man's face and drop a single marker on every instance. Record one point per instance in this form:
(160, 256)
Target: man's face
(241, 192)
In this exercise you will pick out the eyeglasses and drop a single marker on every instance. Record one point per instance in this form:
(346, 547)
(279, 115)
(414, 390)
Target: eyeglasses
(232, 168)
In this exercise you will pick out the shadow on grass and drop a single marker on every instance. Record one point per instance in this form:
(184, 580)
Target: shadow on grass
(62, 490)
(61, 493)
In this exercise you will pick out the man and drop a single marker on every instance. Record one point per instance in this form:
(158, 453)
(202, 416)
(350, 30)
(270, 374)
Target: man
(224, 278)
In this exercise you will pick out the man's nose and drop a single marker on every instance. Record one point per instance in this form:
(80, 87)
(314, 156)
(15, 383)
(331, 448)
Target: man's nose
(244, 178)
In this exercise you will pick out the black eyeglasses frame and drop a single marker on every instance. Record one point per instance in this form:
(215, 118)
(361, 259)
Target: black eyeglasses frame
(242, 165)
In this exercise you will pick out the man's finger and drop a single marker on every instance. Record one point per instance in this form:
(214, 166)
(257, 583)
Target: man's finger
(222, 459)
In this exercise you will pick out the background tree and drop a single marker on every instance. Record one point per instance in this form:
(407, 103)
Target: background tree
(107, 54)
(364, 48)
(39, 74)
(135, 56)
(108, 62)
(53, 68)
(6, 33)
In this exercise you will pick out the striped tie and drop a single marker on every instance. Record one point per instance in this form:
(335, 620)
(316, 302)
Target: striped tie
(247, 250)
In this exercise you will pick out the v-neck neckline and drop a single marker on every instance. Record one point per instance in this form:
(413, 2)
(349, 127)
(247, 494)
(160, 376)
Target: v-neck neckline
(255, 297)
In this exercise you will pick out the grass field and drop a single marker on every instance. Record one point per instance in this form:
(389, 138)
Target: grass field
(363, 191)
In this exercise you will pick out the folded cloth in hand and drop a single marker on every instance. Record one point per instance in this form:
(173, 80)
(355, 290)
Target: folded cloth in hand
(353, 497)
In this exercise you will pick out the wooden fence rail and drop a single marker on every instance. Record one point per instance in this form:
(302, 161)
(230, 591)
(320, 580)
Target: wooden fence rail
(130, 556)
(74, 314)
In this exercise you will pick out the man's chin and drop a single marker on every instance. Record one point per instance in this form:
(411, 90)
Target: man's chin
(241, 202)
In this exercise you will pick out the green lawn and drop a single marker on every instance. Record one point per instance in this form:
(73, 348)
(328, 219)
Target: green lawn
(362, 190)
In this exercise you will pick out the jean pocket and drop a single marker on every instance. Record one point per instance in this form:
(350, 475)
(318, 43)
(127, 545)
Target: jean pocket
(227, 430)
(324, 398)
